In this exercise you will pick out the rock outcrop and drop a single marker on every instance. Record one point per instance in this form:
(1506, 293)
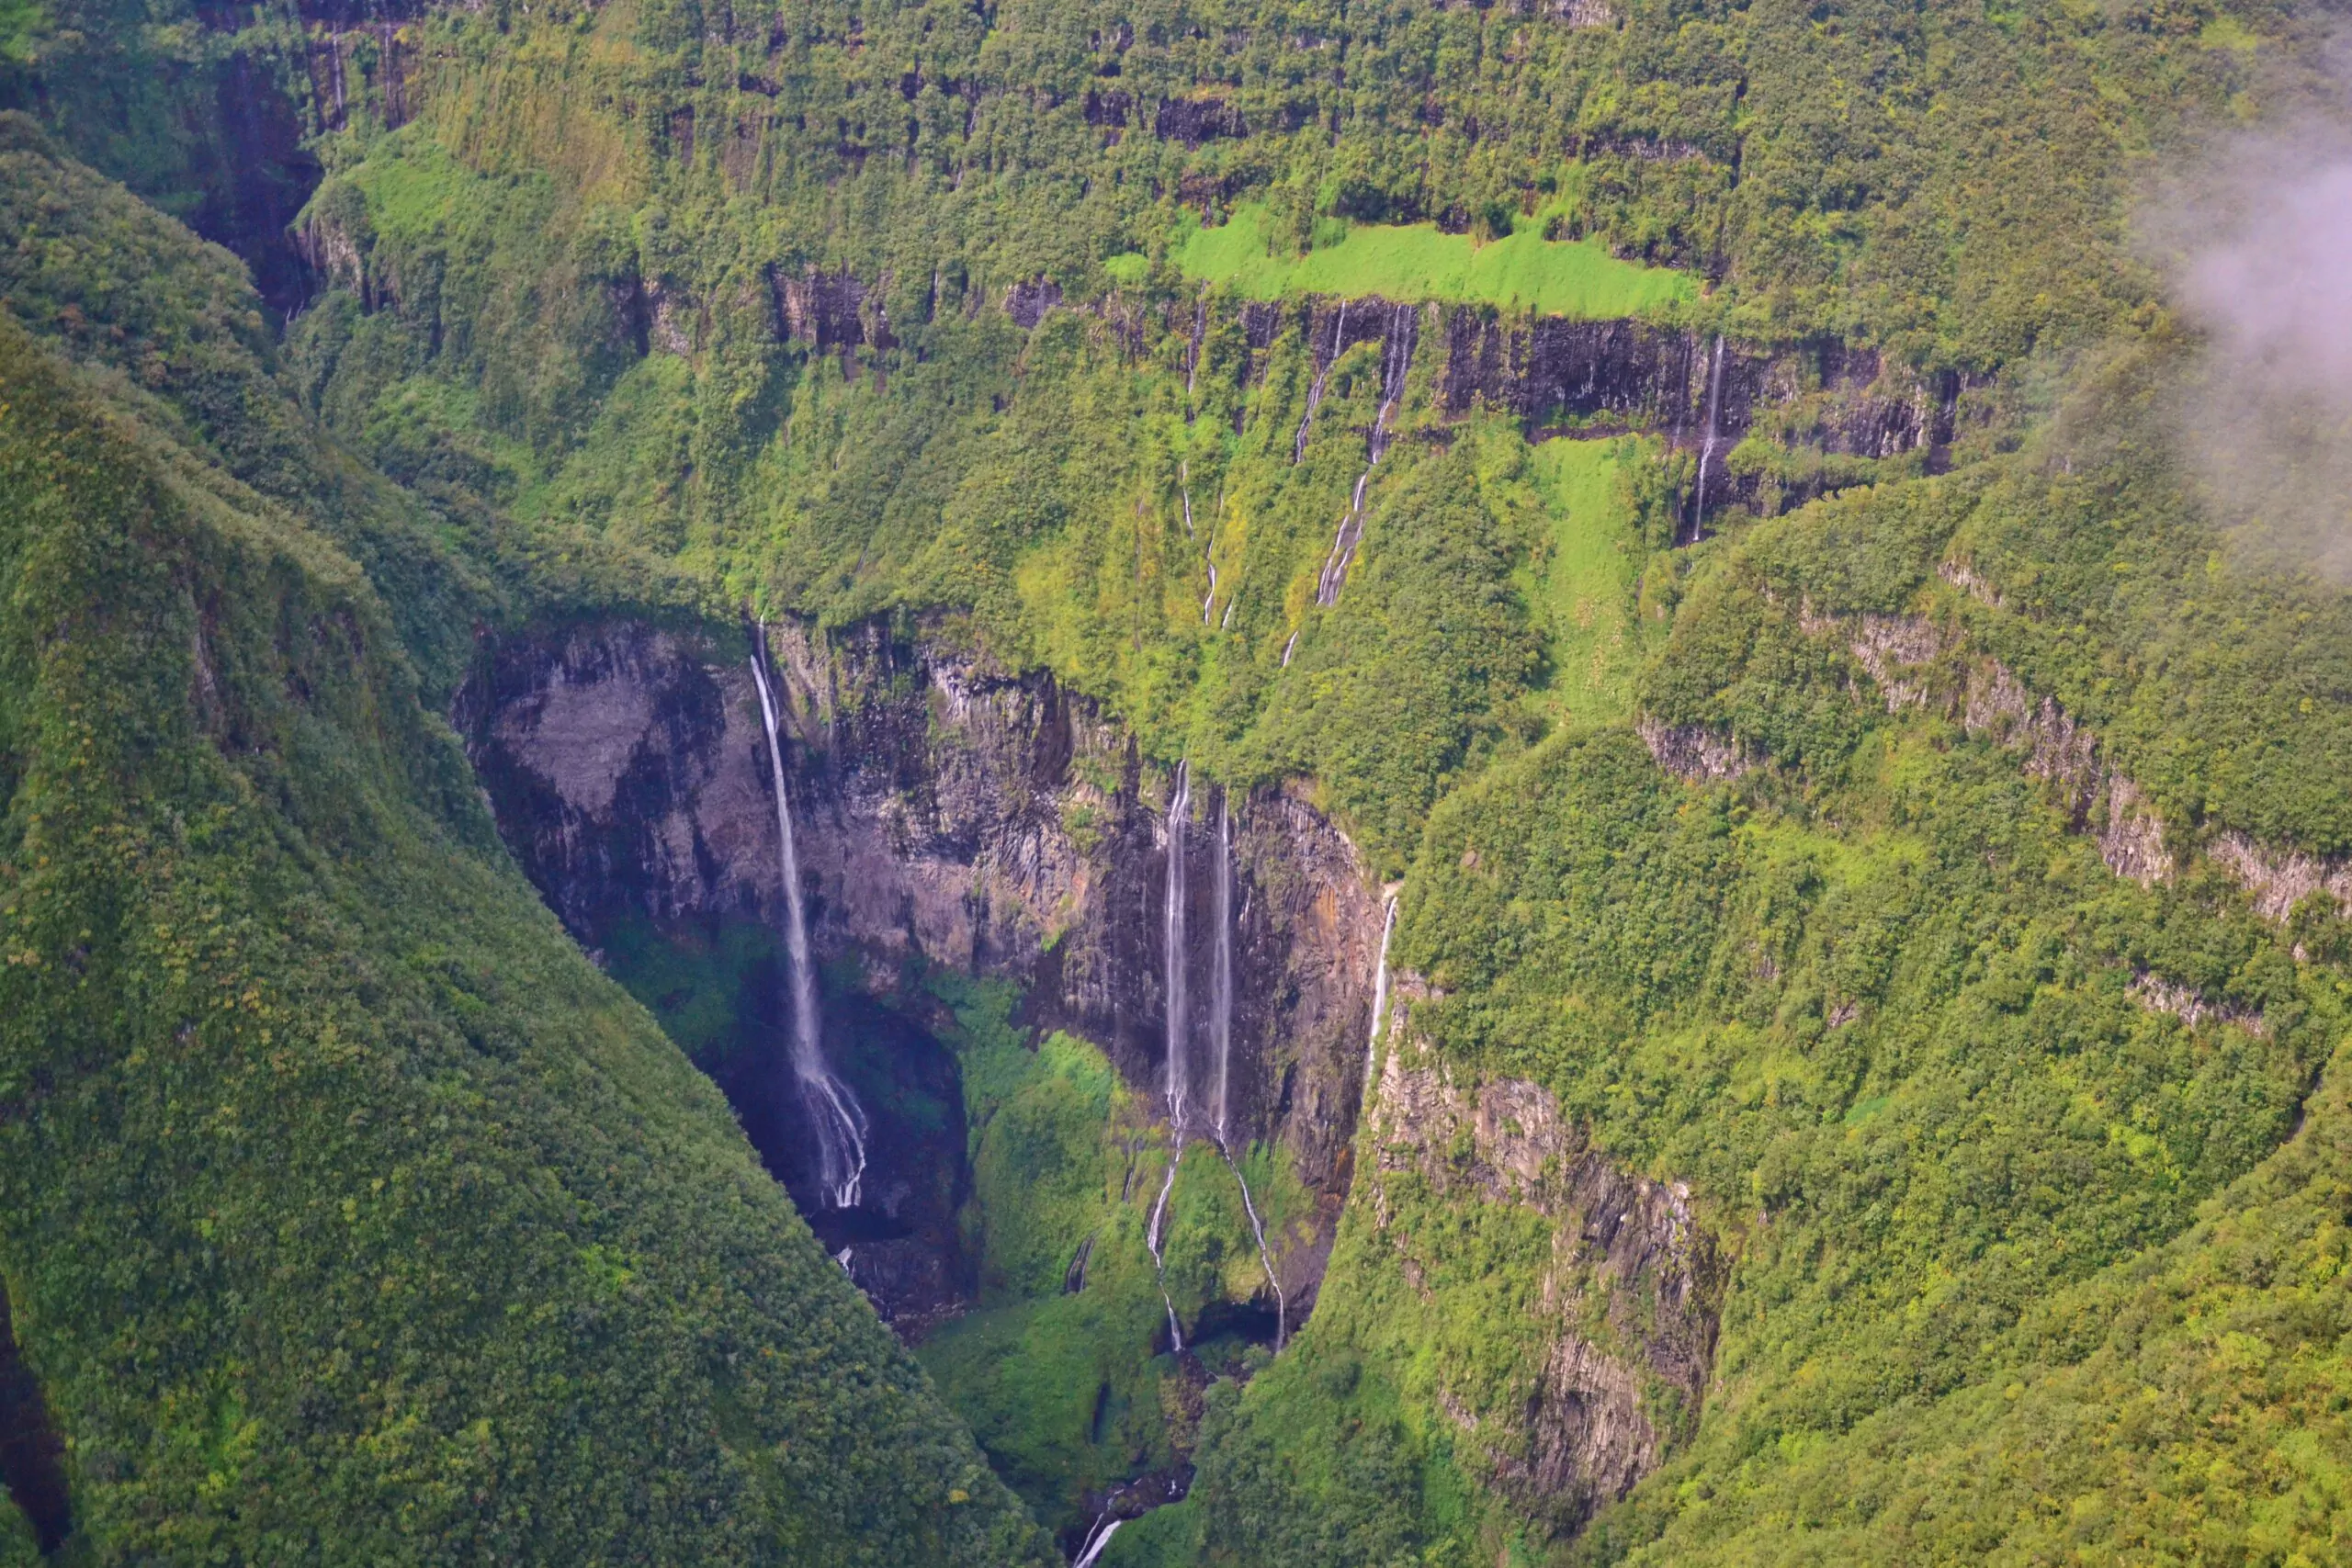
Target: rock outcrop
(1628, 1305)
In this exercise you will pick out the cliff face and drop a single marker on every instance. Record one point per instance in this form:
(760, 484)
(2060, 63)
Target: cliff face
(1625, 1310)
(950, 812)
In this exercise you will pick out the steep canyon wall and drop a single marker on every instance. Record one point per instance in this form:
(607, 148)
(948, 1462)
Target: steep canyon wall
(952, 812)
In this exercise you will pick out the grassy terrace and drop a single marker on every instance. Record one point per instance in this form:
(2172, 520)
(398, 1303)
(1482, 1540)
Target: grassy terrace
(1411, 262)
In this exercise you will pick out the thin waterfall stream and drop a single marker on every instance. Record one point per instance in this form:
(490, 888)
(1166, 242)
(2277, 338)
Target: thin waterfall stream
(839, 1119)
(1314, 388)
(1396, 364)
(1221, 1020)
(1180, 805)
(1379, 993)
(1151, 1238)
(1707, 443)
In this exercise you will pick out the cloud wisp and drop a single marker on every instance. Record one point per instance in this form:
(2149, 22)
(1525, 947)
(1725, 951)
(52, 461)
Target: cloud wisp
(2258, 242)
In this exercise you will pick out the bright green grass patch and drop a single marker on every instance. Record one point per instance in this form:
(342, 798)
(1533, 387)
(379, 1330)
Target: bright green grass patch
(1414, 262)
(1588, 584)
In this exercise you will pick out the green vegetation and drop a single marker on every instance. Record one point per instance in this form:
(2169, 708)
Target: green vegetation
(1070, 1392)
(1592, 575)
(348, 1214)
(1523, 270)
(348, 1211)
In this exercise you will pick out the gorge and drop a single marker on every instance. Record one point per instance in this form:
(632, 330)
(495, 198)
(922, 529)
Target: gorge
(822, 784)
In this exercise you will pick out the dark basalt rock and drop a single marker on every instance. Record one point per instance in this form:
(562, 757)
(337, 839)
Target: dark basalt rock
(1195, 121)
(1028, 303)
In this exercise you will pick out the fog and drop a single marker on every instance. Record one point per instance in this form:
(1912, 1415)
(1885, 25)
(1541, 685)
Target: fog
(2258, 238)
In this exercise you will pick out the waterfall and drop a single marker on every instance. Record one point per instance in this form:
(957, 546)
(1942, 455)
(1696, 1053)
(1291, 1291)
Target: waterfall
(1379, 993)
(1221, 1021)
(1096, 1542)
(1315, 388)
(1151, 1240)
(1257, 1229)
(1173, 949)
(1395, 363)
(834, 1108)
(1192, 349)
(1707, 447)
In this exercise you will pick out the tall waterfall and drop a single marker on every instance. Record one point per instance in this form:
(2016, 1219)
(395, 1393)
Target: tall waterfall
(834, 1108)
(1379, 994)
(1180, 805)
(1221, 1021)
(1221, 1037)
(1707, 445)
(1396, 362)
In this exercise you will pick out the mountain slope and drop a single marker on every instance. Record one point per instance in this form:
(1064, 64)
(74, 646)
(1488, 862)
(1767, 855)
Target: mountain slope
(351, 1215)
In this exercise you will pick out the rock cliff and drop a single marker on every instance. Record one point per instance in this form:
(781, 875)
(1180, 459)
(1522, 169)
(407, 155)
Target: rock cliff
(1627, 1309)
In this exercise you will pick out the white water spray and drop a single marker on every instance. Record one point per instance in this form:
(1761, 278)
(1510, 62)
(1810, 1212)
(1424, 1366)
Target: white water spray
(1707, 447)
(834, 1108)
(1314, 388)
(1379, 993)
(1180, 806)
(1396, 361)
(1221, 1020)
(1151, 1240)
(1096, 1542)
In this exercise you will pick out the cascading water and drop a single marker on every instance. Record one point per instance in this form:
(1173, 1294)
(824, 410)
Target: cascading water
(1221, 1037)
(1314, 388)
(1096, 1542)
(1192, 351)
(1707, 446)
(834, 1108)
(1397, 361)
(1257, 1229)
(1221, 1021)
(1151, 1240)
(1379, 993)
(1180, 806)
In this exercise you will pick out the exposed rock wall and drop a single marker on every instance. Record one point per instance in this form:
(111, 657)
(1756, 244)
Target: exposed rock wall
(950, 811)
(1628, 1306)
